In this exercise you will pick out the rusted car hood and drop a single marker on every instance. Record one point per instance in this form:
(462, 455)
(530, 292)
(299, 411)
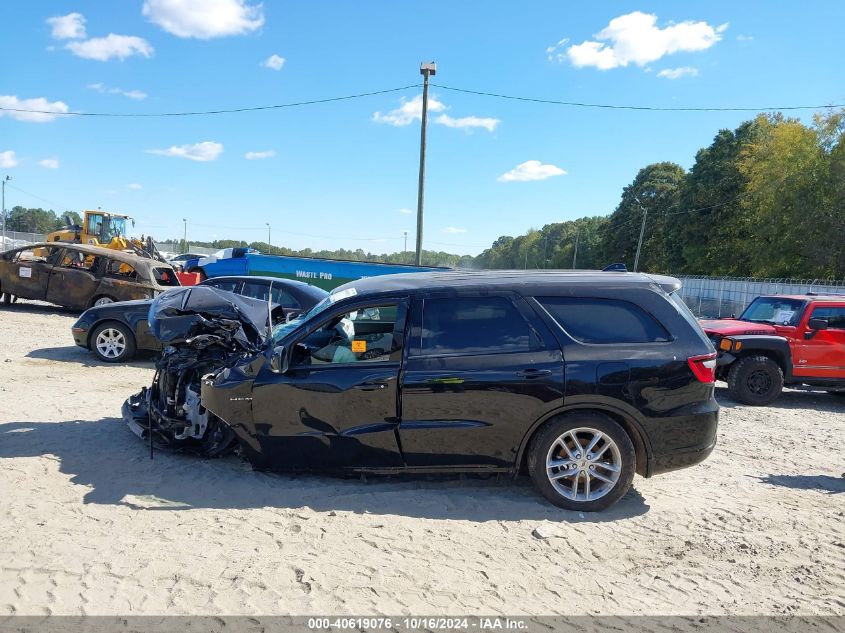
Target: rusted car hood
(734, 327)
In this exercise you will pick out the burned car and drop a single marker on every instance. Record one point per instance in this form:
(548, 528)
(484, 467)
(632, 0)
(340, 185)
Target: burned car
(79, 276)
(579, 379)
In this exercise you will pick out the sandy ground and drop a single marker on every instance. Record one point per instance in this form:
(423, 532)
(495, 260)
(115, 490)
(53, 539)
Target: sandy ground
(89, 525)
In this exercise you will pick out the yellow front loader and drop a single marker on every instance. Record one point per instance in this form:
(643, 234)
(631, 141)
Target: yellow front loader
(101, 228)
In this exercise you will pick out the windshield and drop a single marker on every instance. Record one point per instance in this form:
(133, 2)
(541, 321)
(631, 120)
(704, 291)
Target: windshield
(774, 311)
(114, 227)
(283, 329)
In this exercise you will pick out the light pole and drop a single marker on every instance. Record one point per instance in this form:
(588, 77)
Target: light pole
(269, 244)
(426, 69)
(575, 254)
(185, 234)
(642, 231)
(3, 210)
(405, 250)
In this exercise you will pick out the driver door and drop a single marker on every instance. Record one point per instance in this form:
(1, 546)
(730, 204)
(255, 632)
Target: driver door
(337, 405)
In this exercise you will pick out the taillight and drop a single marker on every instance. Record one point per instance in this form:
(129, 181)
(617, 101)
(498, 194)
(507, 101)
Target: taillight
(704, 367)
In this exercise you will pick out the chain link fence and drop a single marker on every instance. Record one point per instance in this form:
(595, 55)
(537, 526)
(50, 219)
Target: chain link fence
(16, 239)
(715, 297)
(175, 248)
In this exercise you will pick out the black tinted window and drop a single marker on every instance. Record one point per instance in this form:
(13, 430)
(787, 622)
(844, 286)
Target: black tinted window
(228, 286)
(483, 325)
(604, 320)
(835, 316)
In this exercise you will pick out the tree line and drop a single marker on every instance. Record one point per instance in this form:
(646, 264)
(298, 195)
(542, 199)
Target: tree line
(764, 200)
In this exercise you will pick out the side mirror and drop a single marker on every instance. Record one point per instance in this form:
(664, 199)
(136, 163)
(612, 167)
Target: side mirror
(279, 363)
(818, 324)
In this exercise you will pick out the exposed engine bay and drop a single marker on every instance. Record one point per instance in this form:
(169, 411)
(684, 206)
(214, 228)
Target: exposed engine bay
(204, 330)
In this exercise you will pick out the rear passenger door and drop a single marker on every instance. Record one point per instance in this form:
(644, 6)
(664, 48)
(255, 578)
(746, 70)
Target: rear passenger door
(480, 370)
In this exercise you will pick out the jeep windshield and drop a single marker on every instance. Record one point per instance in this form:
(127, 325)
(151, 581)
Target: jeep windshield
(283, 329)
(774, 311)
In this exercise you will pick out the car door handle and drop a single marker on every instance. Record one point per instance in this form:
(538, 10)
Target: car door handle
(534, 373)
(371, 386)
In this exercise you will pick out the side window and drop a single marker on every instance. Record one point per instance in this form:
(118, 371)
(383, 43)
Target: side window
(604, 320)
(477, 325)
(362, 335)
(835, 316)
(284, 299)
(79, 261)
(115, 268)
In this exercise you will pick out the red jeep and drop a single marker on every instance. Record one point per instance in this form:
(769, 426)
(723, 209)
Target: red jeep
(781, 340)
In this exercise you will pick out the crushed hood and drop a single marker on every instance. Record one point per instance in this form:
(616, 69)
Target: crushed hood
(734, 327)
(183, 313)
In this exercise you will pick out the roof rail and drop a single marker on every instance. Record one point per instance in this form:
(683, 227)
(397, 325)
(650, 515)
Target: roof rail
(825, 294)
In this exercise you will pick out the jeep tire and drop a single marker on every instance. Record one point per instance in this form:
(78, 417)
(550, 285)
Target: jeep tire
(755, 380)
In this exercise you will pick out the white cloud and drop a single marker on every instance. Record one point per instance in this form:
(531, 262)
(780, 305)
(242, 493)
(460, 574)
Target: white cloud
(131, 94)
(453, 230)
(111, 47)
(67, 27)
(406, 211)
(260, 155)
(677, 73)
(274, 62)
(8, 159)
(468, 122)
(45, 108)
(744, 38)
(410, 110)
(531, 170)
(49, 163)
(134, 185)
(555, 52)
(201, 152)
(204, 19)
(636, 38)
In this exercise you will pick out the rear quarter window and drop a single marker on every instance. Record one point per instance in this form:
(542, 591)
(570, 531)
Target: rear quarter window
(604, 321)
(165, 277)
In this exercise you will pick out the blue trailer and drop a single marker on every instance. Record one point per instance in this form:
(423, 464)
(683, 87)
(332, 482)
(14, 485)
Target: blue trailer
(324, 273)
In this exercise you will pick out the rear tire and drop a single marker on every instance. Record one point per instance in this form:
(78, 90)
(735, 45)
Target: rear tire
(574, 478)
(112, 342)
(755, 380)
(101, 301)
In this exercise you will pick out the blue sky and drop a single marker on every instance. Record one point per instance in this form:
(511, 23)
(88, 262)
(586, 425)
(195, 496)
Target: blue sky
(340, 175)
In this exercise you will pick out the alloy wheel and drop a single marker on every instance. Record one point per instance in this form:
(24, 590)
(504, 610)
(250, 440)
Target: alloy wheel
(583, 464)
(111, 343)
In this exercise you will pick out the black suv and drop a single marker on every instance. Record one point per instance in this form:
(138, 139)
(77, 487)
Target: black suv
(580, 378)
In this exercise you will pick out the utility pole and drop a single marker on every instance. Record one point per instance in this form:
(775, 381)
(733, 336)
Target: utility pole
(269, 243)
(426, 69)
(405, 250)
(185, 234)
(575, 254)
(3, 210)
(642, 232)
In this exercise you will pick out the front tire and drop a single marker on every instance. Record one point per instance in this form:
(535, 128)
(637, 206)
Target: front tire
(755, 380)
(582, 461)
(112, 342)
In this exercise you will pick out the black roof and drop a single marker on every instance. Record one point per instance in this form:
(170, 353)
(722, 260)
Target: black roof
(507, 279)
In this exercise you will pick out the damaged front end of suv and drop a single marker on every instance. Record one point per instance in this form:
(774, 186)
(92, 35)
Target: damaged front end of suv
(204, 331)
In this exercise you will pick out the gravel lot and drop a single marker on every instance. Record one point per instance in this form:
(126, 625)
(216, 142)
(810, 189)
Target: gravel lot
(90, 525)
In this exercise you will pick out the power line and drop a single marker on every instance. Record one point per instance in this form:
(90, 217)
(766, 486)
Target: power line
(579, 104)
(481, 93)
(277, 106)
(32, 195)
